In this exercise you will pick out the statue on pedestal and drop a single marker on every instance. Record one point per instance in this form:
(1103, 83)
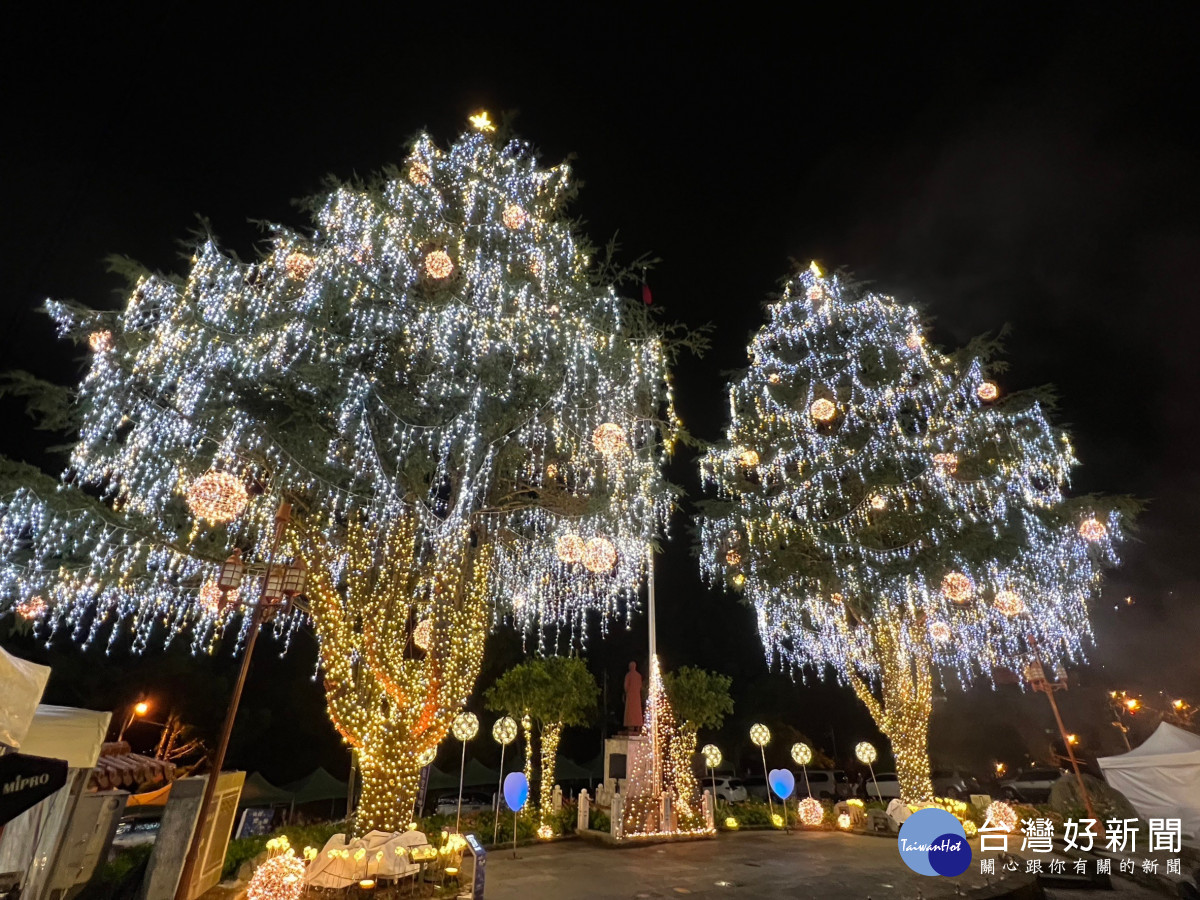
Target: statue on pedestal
(633, 699)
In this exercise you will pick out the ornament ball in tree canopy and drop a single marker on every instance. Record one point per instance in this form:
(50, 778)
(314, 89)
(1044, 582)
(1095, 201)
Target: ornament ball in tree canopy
(420, 375)
(892, 519)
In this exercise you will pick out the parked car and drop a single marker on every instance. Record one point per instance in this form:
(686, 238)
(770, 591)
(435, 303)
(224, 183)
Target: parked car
(472, 802)
(824, 784)
(1031, 785)
(730, 790)
(956, 784)
(884, 786)
(756, 787)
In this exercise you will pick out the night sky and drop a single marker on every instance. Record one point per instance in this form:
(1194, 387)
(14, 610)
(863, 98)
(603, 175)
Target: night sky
(1035, 167)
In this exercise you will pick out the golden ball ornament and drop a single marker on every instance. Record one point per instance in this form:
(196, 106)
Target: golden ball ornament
(100, 341)
(733, 558)
(836, 597)
(957, 587)
(609, 439)
(423, 634)
(1009, 603)
(466, 726)
(32, 608)
(513, 217)
(801, 753)
(217, 497)
(760, 734)
(823, 410)
(864, 751)
(419, 173)
(810, 812)
(739, 579)
(569, 548)
(844, 820)
(1000, 815)
(278, 878)
(939, 631)
(879, 502)
(505, 730)
(439, 265)
(987, 391)
(946, 462)
(210, 597)
(712, 755)
(1092, 530)
(299, 265)
(599, 555)
(748, 458)
(775, 378)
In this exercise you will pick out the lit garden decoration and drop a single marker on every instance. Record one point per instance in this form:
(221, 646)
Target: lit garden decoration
(439, 378)
(891, 514)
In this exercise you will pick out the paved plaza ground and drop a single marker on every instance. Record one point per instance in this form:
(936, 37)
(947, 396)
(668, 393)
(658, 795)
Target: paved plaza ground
(820, 865)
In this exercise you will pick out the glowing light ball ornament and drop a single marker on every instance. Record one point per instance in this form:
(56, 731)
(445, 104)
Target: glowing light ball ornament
(466, 726)
(299, 266)
(939, 631)
(1009, 603)
(423, 634)
(865, 752)
(599, 555)
(279, 878)
(569, 548)
(100, 341)
(824, 411)
(810, 812)
(987, 392)
(210, 597)
(712, 755)
(956, 587)
(33, 608)
(420, 174)
(439, 265)
(217, 497)
(609, 439)
(802, 754)
(505, 730)
(843, 821)
(733, 557)
(1001, 815)
(1092, 530)
(760, 734)
(946, 462)
(426, 757)
(514, 217)
(748, 458)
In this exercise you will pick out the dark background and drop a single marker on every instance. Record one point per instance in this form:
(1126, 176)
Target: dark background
(998, 164)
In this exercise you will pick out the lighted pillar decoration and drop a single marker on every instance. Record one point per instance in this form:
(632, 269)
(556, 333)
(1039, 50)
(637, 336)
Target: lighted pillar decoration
(866, 753)
(712, 759)
(761, 736)
(505, 732)
(465, 727)
(802, 754)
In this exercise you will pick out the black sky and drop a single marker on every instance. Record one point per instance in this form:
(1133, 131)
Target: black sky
(1033, 166)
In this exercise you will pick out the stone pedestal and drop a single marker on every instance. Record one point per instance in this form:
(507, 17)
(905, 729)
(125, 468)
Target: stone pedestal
(620, 754)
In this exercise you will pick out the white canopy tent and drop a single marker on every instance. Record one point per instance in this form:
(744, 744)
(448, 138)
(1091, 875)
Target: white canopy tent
(21, 686)
(1161, 777)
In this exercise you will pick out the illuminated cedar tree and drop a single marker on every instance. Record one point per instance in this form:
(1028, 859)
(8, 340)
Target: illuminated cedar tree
(436, 371)
(557, 692)
(889, 517)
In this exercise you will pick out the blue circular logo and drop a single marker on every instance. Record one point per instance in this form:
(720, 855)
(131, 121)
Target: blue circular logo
(932, 842)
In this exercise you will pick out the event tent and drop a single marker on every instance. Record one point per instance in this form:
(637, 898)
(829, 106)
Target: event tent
(1161, 777)
(257, 791)
(318, 785)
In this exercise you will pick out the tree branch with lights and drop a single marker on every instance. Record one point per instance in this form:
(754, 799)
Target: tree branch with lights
(891, 516)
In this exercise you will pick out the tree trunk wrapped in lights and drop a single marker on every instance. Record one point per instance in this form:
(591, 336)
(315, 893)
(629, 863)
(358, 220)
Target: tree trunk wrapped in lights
(551, 734)
(439, 348)
(891, 516)
(389, 697)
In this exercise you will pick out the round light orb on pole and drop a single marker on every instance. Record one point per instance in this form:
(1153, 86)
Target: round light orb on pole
(760, 735)
(712, 759)
(865, 751)
(802, 754)
(465, 727)
(505, 732)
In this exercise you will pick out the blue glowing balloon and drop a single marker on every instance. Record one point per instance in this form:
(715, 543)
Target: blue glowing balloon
(516, 790)
(782, 782)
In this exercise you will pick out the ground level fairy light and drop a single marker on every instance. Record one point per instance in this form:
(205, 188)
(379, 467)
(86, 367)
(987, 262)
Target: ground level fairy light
(280, 877)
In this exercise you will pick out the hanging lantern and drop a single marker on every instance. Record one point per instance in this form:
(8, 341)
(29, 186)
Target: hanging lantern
(569, 548)
(232, 570)
(438, 265)
(505, 730)
(278, 878)
(599, 555)
(513, 217)
(295, 577)
(823, 411)
(865, 752)
(609, 439)
(100, 341)
(1009, 603)
(217, 497)
(987, 391)
(299, 266)
(466, 726)
(1092, 530)
(274, 587)
(939, 631)
(760, 734)
(801, 753)
(957, 587)
(748, 458)
(711, 754)
(423, 634)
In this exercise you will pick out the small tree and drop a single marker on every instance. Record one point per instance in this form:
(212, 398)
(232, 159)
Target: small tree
(701, 700)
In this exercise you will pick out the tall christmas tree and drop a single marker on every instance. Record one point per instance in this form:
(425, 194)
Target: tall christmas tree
(891, 516)
(467, 420)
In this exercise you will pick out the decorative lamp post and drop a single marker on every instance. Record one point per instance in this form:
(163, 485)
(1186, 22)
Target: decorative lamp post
(760, 735)
(802, 754)
(505, 732)
(138, 709)
(865, 751)
(280, 583)
(712, 759)
(465, 727)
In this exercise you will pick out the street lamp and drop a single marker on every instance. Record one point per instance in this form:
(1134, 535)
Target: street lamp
(761, 736)
(137, 710)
